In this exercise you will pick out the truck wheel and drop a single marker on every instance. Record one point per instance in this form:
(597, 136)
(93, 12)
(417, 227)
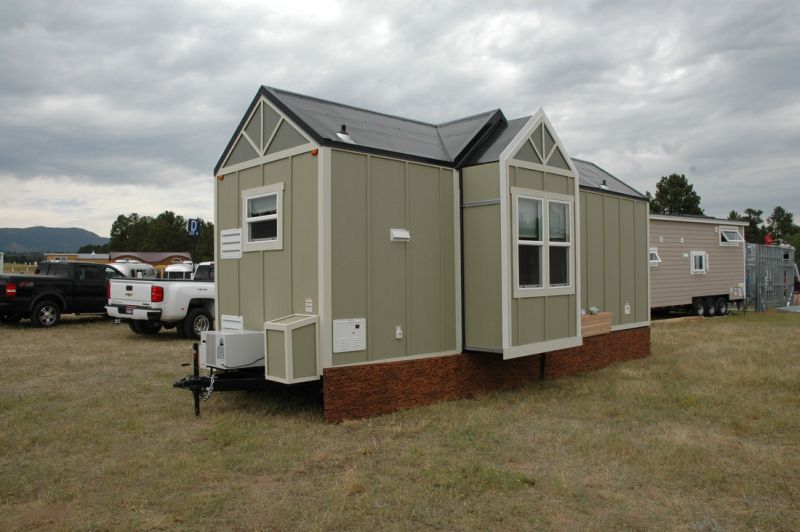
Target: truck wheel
(10, 318)
(45, 314)
(711, 307)
(134, 326)
(197, 321)
(698, 308)
(149, 327)
(722, 306)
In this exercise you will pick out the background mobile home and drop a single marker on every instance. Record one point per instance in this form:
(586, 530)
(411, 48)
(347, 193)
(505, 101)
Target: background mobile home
(697, 263)
(373, 250)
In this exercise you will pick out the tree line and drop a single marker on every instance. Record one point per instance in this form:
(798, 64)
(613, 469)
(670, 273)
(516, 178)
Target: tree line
(675, 195)
(165, 232)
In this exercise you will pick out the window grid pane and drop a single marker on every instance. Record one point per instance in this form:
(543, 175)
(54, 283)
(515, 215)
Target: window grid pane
(558, 221)
(559, 266)
(529, 217)
(262, 206)
(530, 266)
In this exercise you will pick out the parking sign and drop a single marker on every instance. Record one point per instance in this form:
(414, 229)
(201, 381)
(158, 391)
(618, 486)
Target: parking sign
(193, 226)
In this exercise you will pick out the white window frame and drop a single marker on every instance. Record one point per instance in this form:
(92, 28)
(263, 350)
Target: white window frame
(692, 256)
(654, 261)
(722, 229)
(260, 192)
(545, 289)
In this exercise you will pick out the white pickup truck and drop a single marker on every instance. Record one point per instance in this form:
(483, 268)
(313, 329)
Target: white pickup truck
(147, 305)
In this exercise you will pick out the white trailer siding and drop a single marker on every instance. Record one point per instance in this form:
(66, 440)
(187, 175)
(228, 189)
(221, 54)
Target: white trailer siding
(675, 238)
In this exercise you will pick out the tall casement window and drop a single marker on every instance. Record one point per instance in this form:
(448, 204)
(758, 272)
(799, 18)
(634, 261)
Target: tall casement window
(262, 218)
(544, 243)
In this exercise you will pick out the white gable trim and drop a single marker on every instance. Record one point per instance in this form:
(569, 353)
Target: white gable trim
(262, 158)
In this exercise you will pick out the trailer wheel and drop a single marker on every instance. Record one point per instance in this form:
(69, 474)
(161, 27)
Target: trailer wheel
(711, 307)
(698, 308)
(46, 314)
(722, 306)
(197, 321)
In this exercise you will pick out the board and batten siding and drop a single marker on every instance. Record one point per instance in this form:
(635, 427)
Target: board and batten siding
(672, 283)
(266, 285)
(542, 318)
(391, 283)
(482, 268)
(614, 256)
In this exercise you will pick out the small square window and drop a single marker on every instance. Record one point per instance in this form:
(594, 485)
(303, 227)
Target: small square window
(262, 218)
(699, 262)
(729, 236)
(655, 258)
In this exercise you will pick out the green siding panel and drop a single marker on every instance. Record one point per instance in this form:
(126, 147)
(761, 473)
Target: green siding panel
(530, 325)
(627, 267)
(612, 257)
(481, 183)
(527, 153)
(559, 312)
(388, 283)
(557, 160)
(482, 278)
(304, 233)
(251, 293)
(426, 305)
(242, 151)
(349, 264)
(595, 263)
(450, 261)
(559, 184)
(524, 178)
(584, 253)
(304, 352)
(253, 128)
(276, 354)
(285, 138)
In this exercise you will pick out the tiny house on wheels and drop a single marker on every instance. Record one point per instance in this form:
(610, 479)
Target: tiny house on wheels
(697, 263)
(404, 262)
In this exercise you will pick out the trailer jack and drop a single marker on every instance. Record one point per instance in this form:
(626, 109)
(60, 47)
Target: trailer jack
(202, 386)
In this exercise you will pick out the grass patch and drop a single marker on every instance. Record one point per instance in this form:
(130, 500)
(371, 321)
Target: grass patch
(702, 435)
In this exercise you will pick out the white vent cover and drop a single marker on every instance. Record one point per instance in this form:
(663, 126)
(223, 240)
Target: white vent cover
(230, 244)
(349, 335)
(232, 323)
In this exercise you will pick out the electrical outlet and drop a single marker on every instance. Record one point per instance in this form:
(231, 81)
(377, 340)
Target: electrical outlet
(627, 309)
(398, 332)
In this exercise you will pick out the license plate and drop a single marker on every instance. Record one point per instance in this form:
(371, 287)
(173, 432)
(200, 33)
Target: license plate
(129, 309)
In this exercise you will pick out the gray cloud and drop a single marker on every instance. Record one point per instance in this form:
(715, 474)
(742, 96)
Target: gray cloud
(101, 93)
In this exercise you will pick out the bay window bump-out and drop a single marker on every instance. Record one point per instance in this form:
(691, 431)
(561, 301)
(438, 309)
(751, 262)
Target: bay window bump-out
(262, 218)
(543, 243)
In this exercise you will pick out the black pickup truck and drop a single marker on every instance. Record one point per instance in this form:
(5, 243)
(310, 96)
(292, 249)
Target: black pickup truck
(56, 288)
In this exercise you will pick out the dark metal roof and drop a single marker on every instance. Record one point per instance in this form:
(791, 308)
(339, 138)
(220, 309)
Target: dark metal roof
(592, 176)
(383, 133)
(491, 149)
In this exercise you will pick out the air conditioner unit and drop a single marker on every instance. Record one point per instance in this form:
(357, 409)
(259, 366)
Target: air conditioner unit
(232, 349)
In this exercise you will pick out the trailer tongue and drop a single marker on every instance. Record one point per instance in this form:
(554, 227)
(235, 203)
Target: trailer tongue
(202, 386)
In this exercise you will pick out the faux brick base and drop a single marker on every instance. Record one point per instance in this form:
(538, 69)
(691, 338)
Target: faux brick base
(370, 389)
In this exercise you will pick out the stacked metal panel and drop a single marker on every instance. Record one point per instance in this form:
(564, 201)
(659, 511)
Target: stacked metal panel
(770, 276)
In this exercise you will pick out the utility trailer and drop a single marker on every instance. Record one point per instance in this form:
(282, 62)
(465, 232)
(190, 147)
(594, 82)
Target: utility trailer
(697, 264)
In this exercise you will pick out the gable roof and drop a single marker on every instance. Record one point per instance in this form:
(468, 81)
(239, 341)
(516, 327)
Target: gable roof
(449, 143)
(592, 176)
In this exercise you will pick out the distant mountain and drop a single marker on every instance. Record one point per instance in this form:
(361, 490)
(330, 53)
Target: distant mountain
(43, 239)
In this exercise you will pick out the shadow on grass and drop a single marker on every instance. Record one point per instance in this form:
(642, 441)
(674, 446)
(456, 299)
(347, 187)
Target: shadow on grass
(271, 399)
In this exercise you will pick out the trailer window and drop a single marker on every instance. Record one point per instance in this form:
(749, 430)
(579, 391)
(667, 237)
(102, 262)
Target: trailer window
(543, 235)
(699, 262)
(729, 236)
(655, 258)
(262, 218)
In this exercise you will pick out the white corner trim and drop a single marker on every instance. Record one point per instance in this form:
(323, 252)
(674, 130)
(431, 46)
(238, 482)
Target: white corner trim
(457, 256)
(324, 259)
(541, 347)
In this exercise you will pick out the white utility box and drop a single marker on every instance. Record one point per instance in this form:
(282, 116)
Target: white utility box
(232, 349)
(349, 335)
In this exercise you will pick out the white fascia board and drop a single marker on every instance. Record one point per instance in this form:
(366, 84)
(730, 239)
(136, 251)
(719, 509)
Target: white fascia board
(712, 221)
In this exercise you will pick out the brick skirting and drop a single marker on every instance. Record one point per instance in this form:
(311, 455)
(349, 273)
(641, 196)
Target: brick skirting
(370, 389)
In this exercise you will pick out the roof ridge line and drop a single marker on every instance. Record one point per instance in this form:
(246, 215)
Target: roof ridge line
(339, 104)
(470, 117)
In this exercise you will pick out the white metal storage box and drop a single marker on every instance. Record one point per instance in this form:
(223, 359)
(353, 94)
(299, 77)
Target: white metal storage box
(232, 349)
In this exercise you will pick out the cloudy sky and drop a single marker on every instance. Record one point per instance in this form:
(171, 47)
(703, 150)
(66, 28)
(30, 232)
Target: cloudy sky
(112, 107)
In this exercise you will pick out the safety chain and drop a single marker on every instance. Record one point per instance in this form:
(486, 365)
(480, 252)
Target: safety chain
(209, 390)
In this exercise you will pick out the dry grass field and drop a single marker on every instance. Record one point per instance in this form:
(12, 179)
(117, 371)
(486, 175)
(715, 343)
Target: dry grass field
(703, 435)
